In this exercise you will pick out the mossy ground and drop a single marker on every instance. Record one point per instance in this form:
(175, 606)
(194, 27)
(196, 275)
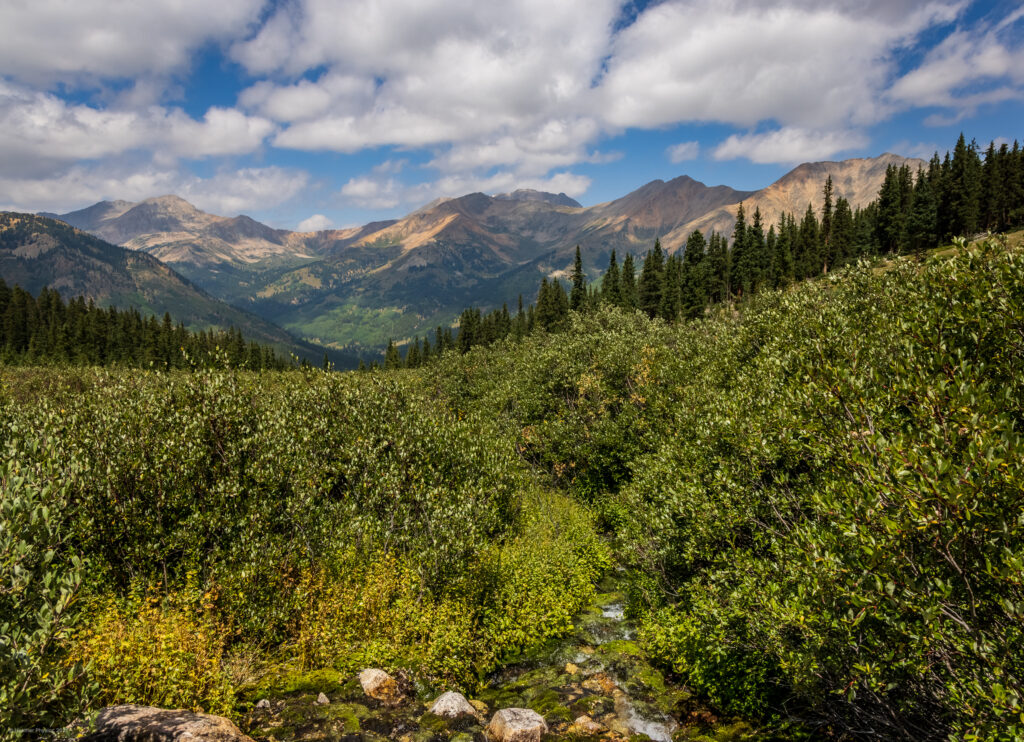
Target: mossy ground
(599, 671)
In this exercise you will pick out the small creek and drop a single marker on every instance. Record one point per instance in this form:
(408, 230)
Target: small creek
(597, 671)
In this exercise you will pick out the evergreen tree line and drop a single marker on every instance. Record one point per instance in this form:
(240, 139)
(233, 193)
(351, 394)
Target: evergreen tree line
(45, 330)
(960, 195)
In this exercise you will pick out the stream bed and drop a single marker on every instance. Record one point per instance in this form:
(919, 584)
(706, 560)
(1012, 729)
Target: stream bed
(598, 671)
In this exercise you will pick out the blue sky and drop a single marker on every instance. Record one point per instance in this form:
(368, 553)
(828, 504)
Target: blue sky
(329, 113)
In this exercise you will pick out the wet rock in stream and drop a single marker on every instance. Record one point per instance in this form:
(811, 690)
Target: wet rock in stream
(594, 684)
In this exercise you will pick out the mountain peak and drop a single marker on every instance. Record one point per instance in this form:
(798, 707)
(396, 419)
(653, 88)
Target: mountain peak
(529, 194)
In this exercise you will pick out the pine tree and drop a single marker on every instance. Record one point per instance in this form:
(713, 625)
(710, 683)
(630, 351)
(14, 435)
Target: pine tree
(739, 260)
(578, 296)
(757, 252)
(611, 285)
(922, 222)
(965, 189)
(630, 298)
(717, 268)
(651, 277)
(828, 251)
(392, 359)
(671, 302)
(806, 257)
(841, 243)
(695, 288)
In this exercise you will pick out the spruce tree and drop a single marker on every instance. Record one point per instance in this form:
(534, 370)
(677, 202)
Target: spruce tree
(694, 287)
(578, 295)
(649, 287)
(611, 284)
(739, 260)
(671, 301)
(630, 299)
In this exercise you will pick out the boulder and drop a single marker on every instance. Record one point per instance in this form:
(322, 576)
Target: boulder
(516, 725)
(452, 705)
(380, 686)
(263, 703)
(322, 699)
(131, 723)
(584, 726)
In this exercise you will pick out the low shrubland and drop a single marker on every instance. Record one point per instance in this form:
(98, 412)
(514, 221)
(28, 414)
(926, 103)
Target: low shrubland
(302, 519)
(817, 495)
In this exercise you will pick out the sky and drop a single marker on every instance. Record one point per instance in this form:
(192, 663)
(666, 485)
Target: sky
(315, 114)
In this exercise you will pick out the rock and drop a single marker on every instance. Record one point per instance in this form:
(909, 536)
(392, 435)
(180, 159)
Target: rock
(600, 683)
(452, 705)
(380, 686)
(131, 723)
(263, 703)
(322, 700)
(516, 725)
(571, 669)
(584, 726)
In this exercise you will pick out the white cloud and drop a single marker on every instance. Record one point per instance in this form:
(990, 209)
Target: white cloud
(491, 80)
(683, 151)
(315, 223)
(968, 69)
(747, 62)
(228, 192)
(38, 128)
(371, 192)
(46, 40)
(789, 145)
(375, 191)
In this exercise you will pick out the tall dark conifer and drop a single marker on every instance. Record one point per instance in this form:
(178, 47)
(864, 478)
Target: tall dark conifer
(578, 295)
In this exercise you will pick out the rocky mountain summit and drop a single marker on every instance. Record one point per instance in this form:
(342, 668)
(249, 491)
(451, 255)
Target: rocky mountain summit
(396, 278)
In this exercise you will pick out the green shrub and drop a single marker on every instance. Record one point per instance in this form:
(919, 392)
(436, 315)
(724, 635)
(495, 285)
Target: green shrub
(40, 577)
(156, 651)
(840, 521)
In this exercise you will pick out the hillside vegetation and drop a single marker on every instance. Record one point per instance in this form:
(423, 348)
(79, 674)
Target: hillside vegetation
(817, 500)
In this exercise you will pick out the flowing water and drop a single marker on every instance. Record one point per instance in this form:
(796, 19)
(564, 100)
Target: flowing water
(597, 671)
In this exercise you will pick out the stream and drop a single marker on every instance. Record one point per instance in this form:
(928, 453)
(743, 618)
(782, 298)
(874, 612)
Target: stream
(597, 671)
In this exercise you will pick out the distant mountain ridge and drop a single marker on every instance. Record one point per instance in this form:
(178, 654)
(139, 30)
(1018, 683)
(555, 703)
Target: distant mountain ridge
(38, 252)
(362, 285)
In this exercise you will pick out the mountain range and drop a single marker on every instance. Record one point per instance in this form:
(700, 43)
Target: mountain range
(38, 252)
(358, 287)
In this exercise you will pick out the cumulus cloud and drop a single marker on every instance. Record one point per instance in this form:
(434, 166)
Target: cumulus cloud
(483, 81)
(789, 145)
(683, 151)
(315, 223)
(228, 192)
(966, 70)
(380, 191)
(499, 95)
(42, 41)
(817, 66)
(38, 128)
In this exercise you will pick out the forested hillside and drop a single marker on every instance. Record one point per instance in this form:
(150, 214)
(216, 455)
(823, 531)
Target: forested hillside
(45, 330)
(960, 195)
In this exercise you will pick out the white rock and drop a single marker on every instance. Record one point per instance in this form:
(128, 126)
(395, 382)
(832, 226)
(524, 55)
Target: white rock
(263, 703)
(452, 705)
(322, 699)
(517, 725)
(380, 686)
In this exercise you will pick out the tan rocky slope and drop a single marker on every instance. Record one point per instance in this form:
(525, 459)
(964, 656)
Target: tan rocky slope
(857, 180)
(474, 250)
(174, 231)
